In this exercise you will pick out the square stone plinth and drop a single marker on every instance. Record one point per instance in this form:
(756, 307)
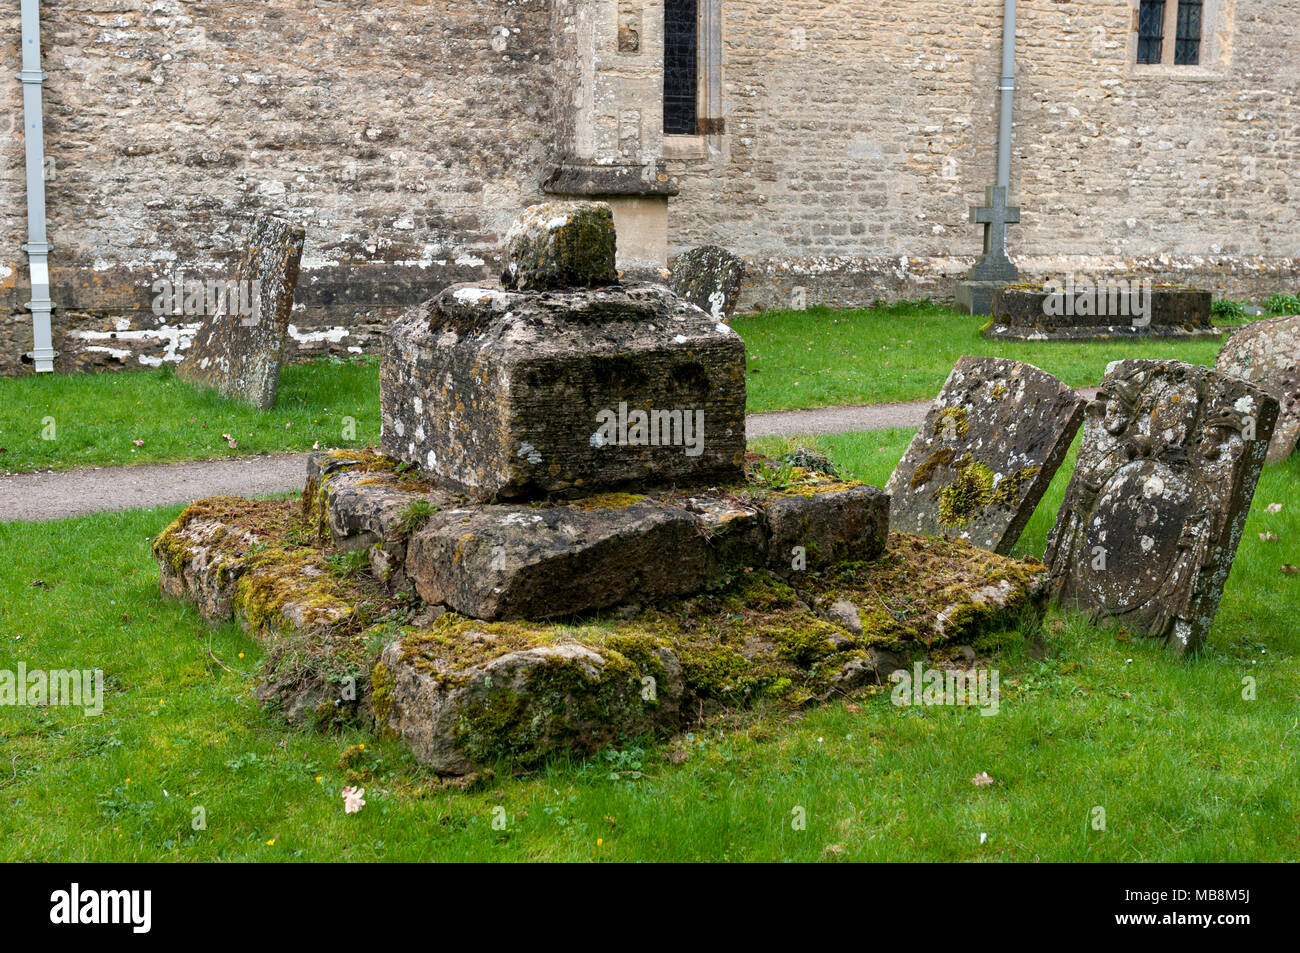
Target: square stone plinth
(508, 395)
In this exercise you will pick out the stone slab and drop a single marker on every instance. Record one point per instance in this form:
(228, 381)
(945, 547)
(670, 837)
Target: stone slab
(1267, 353)
(1037, 312)
(537, 562)
(1159, 498)
(238, 354)
(516, 396)
(987, 452)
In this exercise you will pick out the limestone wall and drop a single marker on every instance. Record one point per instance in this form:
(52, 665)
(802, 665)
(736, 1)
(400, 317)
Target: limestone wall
(860, 132)
(846, 142)
(405, 135)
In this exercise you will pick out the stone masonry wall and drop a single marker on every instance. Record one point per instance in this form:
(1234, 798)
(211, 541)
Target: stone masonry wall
(859, 133)
(407, 135)
(404, 134)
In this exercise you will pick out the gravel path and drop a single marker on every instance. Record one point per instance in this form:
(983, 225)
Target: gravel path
(43, 496)
(51, 496)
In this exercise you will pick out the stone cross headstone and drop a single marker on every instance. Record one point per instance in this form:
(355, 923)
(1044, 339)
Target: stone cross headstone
(239, 348)
(1267, 353)
(986, 453)
(995, 215)
(709, 277)
(1159, 497)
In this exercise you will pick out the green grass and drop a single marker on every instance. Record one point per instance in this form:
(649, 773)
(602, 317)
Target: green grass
(95, 419)
(903, 352)
(1183, 766)
(797, 360)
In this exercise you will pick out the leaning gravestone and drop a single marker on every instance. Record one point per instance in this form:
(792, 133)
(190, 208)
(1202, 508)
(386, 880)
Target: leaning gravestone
(238, 351)
(1267, 353)
(987, 452)
(1154, 512)
(709, 277)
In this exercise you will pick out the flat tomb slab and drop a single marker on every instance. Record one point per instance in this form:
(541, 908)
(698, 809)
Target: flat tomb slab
(1126, 308)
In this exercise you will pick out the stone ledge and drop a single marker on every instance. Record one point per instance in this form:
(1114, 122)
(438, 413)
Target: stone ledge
(596, 181)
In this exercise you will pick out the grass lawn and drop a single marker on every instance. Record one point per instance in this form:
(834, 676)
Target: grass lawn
(797, 359)
(58, 421)
(821, 358)
(1184, 767)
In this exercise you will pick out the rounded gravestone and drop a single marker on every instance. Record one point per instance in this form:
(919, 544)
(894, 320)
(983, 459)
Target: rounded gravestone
(709, 277)
(1267, 353)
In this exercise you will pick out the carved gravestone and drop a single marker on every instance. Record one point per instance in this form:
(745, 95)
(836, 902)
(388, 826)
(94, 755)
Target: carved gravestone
(987, 452)
(238, 349)
(565, 389)
(709, 277)
(1267, 353)
(1154, 512)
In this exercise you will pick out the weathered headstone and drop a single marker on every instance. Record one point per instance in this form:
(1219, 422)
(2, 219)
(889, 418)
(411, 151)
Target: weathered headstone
(709, 277)
(239, 349)
(516, 395)
(1086, 310)
(1267, 353)
(1154, 512)
(987, 452)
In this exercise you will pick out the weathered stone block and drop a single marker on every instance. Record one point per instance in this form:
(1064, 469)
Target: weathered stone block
(561, 245)
(825, 527)
(1154, 512)
(238, 350)
(709, 277)
(1267, 353)
(512, 396)
(1099, 311)
(522, 705)
(986, 453)
(515, 562)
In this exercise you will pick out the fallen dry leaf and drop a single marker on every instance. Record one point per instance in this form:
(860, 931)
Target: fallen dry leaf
(1289, 570)
(1268, 537)
(138, 443)
(1274, 507)
(982, 780)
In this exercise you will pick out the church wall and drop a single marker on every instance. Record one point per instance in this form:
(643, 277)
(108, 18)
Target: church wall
(848, 141)
(859, 133)
(404, 134)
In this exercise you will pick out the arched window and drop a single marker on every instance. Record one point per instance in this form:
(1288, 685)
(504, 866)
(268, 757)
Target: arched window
(681, 67)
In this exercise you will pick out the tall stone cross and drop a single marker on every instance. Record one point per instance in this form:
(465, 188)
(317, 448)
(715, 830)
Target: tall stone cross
(995, 215)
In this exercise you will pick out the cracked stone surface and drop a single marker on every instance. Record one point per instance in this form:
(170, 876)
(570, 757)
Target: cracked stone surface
(1159, 497)
(987, 452)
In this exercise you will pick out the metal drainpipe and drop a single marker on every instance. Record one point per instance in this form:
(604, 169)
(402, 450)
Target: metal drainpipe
(1008, 90)
(37, 248)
